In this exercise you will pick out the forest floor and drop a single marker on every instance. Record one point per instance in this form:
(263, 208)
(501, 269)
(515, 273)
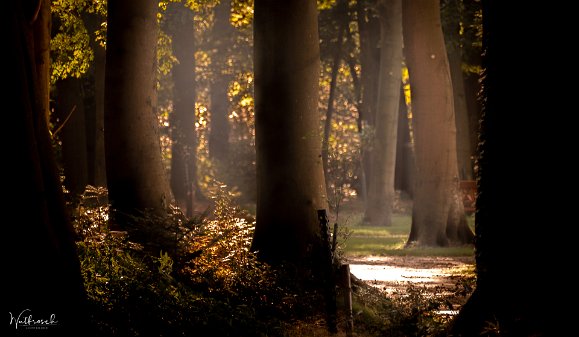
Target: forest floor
(393, 274)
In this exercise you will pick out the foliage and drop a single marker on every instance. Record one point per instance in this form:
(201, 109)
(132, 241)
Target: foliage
(211, 284)
(71, 53)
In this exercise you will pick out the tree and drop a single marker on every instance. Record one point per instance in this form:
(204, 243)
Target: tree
(517, 258)
(95, 111)
(71, 131)
(381, 189)
(369, 36)
(451, 28)
(44, 269)
(221, 38)
(136, 177)
(182, 119)
(290, 180)
(438, 216)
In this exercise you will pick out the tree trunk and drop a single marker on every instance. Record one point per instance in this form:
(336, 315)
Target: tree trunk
(72, 134)
(290, 179)
(453, 44)
(45, 276)
(97, 175)
(381, 190)
(369, 35)
(42, 26)
(184, 140)
(137, 180)
(515, 252)
(436, 185)
(341, 9)
(219, 132)
(404, 177)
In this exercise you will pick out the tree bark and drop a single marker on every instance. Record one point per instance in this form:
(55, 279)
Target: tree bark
(182, 119)
(290, 180)
(435, 195)
(404, 176)
(451, 29)
(137, 179)
(97, 174)
(515, 254)
(381, 190)
(369, 35)
(341, 9)
(219, 132)
(44, 269)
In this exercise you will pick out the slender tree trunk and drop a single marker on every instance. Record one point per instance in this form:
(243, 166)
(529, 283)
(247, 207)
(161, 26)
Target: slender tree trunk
(436, 185)
(369, 34)
(97, 175)
(137, 180)
(219, 132)
(72, 133)
(290, 179)
(465, 154)
(381, 190)
(44, 269)
(184, 146)
(341, 8)
(404, 177)
(453, 44)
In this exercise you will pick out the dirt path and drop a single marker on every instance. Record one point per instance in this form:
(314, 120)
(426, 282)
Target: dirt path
(394, 273)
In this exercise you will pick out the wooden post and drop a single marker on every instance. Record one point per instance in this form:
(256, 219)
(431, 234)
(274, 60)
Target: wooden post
(347, 284)
(328, 273)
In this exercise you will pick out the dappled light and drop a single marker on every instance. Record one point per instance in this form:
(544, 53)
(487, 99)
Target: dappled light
(267, 168)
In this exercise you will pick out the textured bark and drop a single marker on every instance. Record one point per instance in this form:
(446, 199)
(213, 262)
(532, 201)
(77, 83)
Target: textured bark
(137, 180)
(290, 180)
(43, 265)
(72, 133)
(381, 190)
(184, 140)
(435, 194)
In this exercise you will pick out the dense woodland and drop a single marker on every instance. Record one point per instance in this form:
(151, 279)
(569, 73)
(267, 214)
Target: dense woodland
(169, 162)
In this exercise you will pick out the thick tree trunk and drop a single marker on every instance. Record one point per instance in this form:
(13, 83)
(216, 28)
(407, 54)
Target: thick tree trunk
(137, 180)
(434, 127)
(219, 132)
(290, 180)
(42, 26)
(381, 190)
(72, 133)
(515, 253)
(44, 269)
(184, 146)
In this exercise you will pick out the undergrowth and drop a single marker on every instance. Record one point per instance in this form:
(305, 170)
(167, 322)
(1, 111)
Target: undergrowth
(201, 279)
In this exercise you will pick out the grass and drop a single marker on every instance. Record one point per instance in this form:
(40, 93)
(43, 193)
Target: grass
(358, 239)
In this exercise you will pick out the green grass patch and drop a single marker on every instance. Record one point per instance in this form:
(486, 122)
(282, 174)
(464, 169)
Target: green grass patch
(363, 240)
